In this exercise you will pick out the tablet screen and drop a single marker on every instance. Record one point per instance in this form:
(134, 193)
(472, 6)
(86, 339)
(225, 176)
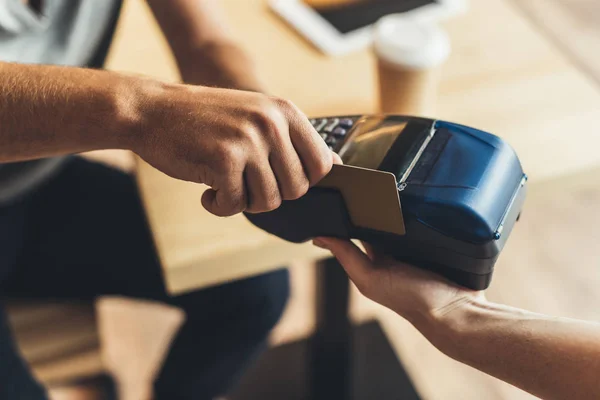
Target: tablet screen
(349, 15)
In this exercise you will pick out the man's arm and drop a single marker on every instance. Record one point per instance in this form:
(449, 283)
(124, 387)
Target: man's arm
(552, 358)
(47, 111)
(203, 46)
(266, 150)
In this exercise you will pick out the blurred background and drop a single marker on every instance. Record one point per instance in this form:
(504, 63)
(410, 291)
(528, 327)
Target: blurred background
(526, 70)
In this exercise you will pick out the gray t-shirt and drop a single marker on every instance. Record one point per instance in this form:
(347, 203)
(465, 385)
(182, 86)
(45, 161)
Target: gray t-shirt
(63, 32)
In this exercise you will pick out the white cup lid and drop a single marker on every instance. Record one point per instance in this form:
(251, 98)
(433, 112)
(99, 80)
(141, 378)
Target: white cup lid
(410, 43)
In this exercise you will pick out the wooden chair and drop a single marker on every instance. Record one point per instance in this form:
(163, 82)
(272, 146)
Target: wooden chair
(69, 342)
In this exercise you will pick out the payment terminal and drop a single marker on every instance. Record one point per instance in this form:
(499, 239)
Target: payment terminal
(435, 194)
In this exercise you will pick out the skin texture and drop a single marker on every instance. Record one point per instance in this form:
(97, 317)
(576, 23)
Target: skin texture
(203, 45)
(253, 150)
(552, 358)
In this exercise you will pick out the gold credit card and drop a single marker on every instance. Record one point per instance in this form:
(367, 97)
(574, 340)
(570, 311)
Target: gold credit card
(371, 197)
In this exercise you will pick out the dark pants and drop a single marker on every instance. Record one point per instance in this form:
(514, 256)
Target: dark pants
(84, 234)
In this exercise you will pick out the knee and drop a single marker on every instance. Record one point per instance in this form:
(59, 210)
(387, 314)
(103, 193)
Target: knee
(266, 298)
(277, 291)
(254, 304)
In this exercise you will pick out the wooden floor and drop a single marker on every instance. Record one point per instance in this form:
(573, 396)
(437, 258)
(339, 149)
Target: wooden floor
(551, 263)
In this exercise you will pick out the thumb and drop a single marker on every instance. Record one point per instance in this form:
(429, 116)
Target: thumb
(218, 202)
(336, 158)
(356, 263)
(209, 202)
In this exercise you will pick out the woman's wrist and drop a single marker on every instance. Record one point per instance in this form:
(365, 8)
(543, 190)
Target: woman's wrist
(447, 327)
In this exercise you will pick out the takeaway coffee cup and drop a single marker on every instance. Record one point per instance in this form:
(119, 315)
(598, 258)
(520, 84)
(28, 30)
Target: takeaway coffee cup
(410, 55)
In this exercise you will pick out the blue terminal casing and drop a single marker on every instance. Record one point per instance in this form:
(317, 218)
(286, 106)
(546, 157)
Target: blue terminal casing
(461, 191)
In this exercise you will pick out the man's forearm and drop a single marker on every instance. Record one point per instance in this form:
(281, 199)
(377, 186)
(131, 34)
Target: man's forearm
(47, 111)
(220, 64)
(552, 358)
(205, 51)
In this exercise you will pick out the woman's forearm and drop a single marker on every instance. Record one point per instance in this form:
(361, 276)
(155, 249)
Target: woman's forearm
(552, 358)
(47, 111)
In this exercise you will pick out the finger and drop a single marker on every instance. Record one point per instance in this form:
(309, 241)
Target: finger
(336, 158)
(291, 178)
(316, 157)
(227, 200)
(356, 263)
(369, 250)
(263, 191)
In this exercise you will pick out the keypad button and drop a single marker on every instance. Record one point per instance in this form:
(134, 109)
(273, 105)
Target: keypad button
(331, 125)
(347, 123)
(331, 141)
(324, 136)
(320, 124)
(339, 131)
(313, 121)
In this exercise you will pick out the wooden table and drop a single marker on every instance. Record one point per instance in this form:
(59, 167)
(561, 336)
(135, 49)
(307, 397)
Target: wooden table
(503, 76)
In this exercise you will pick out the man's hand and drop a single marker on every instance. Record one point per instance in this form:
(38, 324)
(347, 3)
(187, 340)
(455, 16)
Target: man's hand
(272, 155)
(419, 296)
(252, 150)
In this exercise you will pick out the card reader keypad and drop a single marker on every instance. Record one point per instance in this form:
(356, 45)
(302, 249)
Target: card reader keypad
(334, 130)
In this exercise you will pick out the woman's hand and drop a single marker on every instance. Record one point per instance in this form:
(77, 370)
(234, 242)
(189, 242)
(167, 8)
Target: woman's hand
(550, 357)
(420, 296)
